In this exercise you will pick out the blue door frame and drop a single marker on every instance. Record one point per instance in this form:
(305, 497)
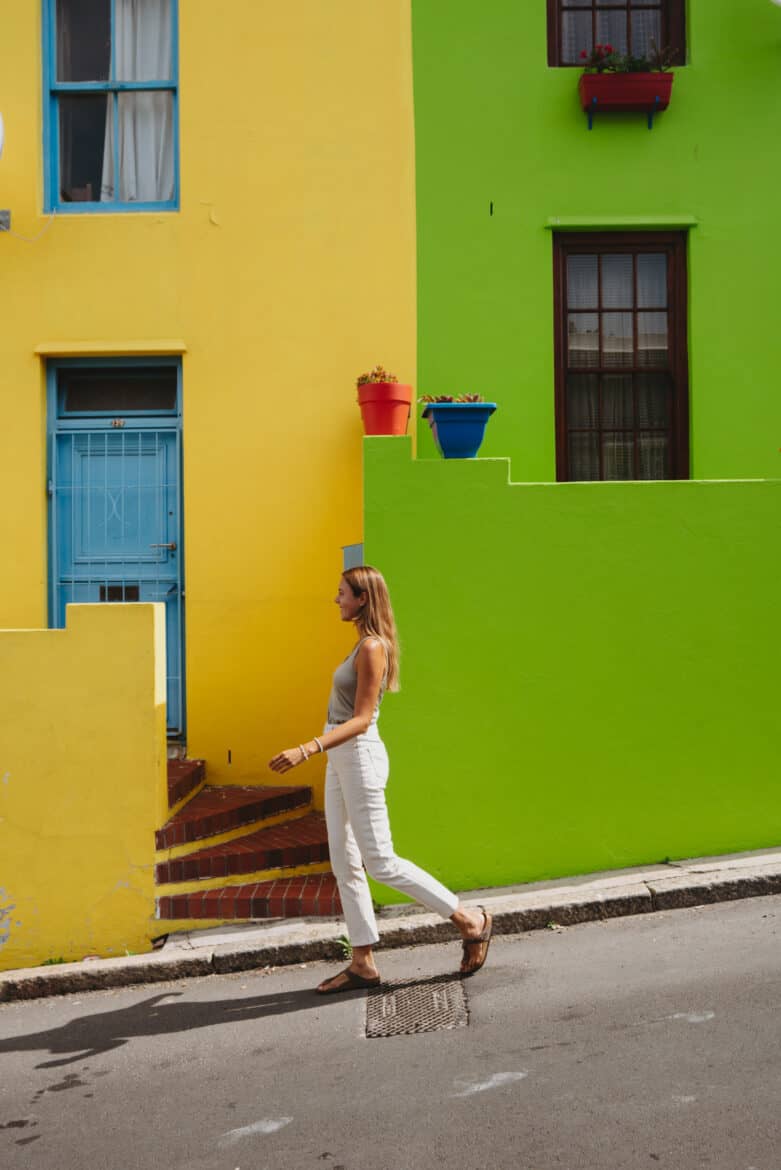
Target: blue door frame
(115, 510)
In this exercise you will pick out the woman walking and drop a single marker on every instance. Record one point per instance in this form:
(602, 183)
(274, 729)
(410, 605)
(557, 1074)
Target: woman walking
(356, 775)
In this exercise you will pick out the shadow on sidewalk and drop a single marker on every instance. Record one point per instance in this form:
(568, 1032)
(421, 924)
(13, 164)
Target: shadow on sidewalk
(101, 1032)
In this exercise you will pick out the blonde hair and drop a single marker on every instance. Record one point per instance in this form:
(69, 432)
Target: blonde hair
(376, 618)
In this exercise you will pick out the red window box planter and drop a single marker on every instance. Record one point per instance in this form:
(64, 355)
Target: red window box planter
(646, 93)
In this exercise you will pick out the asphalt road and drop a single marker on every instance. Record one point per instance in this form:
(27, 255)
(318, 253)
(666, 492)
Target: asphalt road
(641, 1042)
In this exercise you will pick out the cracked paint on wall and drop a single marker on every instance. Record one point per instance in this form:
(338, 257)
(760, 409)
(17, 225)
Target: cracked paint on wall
(6, 910)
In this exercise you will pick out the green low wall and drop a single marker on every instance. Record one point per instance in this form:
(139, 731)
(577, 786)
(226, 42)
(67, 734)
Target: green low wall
(589, 671)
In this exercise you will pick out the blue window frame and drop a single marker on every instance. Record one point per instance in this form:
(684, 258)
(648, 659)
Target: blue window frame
(111, 105)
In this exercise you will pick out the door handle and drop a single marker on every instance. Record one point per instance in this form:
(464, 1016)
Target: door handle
(172, 545)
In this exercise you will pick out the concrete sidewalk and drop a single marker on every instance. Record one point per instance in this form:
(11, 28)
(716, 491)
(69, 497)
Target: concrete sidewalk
(515, 909)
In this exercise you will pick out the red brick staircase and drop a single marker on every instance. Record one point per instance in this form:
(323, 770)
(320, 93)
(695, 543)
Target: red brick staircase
(237, 854)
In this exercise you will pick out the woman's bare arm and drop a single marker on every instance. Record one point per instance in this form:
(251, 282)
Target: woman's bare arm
(370, 666)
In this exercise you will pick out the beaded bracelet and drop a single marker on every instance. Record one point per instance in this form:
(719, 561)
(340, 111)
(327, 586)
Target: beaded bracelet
(319, 744)
(304, 752)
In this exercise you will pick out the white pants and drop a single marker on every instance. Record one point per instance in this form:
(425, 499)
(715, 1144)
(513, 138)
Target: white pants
(359, 830)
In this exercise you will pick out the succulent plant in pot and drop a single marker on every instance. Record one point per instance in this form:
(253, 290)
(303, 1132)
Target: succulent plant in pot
(385, 402)
(457, 422)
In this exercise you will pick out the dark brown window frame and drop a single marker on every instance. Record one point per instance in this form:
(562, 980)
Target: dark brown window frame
(674, 34)
(675, 244)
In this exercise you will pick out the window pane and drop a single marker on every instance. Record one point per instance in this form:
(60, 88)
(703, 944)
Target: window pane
(652, 339)
(576, 35)
(142, 40)
(652, 280)
(618, 456)
(617, 282)
(146, 147)
(617, 405)
(654, 456)
(583, 456)
(82, 139)
(118, 391)
(83, 30)
(652, 400)
(582, 282)
(646, 32)
(617, 339)
(583, 339)
(583, 400)
(122, 592)
(612, 28)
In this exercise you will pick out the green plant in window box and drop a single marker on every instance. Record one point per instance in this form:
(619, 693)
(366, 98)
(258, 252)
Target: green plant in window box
(606, 59)
(451, 398)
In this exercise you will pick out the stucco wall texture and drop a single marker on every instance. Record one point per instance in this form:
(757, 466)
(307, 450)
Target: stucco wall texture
(589, 671)
(82, 784)
(289, 269)
(498, 130)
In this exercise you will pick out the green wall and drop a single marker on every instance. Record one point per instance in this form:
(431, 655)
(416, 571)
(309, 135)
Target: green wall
(494, 124)
(589, 671)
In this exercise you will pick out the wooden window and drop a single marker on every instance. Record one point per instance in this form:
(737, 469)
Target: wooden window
(621, 356)
(111, 104)
(630, 26)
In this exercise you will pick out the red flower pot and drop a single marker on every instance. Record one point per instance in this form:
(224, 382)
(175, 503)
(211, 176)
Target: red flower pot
(385, 407)
(641, 92)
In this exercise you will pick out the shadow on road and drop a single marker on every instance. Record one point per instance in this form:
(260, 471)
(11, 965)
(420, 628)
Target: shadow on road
(100, 1032)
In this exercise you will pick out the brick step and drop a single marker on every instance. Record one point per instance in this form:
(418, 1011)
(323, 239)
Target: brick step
(311, 895)
(219, 809)
(183, 777)
(300, 842)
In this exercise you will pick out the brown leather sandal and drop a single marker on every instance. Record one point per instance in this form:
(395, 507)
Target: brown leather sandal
(479, 940)
(354, 981)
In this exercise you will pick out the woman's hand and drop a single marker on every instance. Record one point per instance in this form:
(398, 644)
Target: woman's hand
(287, 760)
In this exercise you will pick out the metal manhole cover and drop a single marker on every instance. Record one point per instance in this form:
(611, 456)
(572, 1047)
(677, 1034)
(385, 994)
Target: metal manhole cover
(401, 1007)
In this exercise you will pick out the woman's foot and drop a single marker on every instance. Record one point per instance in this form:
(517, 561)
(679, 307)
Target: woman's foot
(362, 972)
(356, 975)
(476, 927)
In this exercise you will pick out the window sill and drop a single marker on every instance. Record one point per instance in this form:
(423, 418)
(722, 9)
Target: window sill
(157, 348)
(619, 223)
(94, 208)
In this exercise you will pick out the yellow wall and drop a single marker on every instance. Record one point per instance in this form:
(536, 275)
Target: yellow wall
(82, 784)
(289, 269)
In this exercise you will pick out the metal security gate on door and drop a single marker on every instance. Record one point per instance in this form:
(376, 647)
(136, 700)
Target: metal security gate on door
(115, 496)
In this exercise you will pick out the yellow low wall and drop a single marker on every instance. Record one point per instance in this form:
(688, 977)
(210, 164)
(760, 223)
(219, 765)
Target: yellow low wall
(82, 784)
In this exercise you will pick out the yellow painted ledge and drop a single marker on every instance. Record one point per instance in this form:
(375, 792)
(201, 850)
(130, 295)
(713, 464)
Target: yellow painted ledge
(177, 808)
(108, 348)
(169, 926)
(189, 848)
(203, 885)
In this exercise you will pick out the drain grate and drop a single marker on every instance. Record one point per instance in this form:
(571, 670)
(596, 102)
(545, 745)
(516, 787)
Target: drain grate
(402, 1007)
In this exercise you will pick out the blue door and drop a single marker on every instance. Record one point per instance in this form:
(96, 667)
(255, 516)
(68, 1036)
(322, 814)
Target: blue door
(115, 494)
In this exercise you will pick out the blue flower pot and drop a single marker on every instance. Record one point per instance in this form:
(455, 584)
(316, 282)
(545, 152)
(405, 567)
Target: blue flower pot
(458, 427)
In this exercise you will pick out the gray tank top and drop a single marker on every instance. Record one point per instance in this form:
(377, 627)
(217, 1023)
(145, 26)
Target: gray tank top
(341, 702)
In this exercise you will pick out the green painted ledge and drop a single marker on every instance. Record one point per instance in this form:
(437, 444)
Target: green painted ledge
(618, 223)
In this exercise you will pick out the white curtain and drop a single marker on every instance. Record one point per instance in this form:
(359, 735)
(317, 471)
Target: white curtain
(142, 52)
